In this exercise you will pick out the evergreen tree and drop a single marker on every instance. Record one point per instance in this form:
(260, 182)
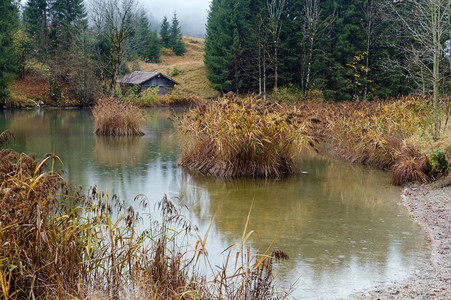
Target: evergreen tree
(175, 37)
(140, 38)
(152, 53)
(36, 20)
(8, 25)
(165, 33)
(66, 14)
(228, 50)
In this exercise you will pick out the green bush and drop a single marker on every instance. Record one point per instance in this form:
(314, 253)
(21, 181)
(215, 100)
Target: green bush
(438, 161)
(149, 97)
(175, 71)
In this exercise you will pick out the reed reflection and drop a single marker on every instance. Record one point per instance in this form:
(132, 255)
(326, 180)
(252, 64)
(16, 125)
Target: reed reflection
(112, 151)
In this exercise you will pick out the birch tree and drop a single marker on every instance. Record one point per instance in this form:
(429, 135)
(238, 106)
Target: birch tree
(315, 28)
(275, 10)
(429, 27)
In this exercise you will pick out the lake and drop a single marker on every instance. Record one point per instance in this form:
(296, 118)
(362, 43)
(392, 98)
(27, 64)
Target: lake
(342, 225)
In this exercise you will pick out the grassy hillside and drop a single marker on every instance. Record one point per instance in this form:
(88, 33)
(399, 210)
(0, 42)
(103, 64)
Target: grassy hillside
(188, 70)
(192, 74)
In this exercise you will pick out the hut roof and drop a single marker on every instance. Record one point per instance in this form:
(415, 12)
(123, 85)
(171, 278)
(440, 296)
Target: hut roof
(138, 77)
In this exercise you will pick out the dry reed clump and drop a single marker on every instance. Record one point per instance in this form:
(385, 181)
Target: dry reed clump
(40, 248)
(117, 118)
(246, 137)
(410, 166)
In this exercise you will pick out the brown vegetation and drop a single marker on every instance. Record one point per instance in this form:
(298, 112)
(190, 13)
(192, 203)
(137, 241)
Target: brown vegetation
(179, 96)
(231, 138)
(246, 137)
(117, 118)
(381, 134)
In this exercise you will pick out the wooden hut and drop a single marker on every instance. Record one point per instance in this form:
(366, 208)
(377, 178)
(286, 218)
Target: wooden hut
(147, 80)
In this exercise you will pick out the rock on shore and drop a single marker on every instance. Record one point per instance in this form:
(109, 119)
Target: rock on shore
(431, 209)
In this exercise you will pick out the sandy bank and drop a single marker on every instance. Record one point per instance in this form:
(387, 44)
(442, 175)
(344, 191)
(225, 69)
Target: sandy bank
(431, 209)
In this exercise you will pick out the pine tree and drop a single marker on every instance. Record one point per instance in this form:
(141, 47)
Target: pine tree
(228, 50)
(175, 37)
(8, 25)
(140, 38)
(66, 14)
(153, 48)
(36, 19)
(165, 33)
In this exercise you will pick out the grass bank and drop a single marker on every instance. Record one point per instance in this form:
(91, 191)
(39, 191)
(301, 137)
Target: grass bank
(392, 135)
(248, 137)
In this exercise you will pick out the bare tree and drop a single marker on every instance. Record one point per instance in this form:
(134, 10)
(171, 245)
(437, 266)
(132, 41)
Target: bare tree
(275, 10)
(370, 13)
(111, 18)
(262, 48)
(315, 28)
(429, 27)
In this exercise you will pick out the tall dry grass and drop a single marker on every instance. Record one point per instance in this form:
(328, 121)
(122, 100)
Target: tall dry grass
(245, 137)
(381, 134)
(117, 118)
(97, 248)
(255, 138)
(41, 249)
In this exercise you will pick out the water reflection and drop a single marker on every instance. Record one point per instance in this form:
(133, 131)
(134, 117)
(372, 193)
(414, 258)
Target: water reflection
(111, 151)
(340, 223)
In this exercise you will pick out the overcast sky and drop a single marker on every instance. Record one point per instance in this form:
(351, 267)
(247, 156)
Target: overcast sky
(192, 14)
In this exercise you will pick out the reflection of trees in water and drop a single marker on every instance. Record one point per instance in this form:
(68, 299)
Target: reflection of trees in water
(331, 216)
(111, 151)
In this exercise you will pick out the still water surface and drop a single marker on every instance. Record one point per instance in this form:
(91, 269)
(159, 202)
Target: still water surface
(341, 224)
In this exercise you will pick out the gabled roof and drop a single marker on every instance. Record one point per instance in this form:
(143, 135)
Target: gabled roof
(138, 77)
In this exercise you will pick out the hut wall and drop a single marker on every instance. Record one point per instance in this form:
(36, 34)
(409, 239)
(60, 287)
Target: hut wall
(164, 84)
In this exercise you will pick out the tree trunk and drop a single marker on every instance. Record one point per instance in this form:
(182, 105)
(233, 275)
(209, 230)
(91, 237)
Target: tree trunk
(436, 66)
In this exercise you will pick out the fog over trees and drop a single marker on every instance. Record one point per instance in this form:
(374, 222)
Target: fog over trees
(191, 14)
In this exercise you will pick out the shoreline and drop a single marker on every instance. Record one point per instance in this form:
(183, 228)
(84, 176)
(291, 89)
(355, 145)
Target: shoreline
(431, 210)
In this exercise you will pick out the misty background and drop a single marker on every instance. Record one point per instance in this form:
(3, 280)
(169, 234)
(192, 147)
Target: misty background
(191, 14)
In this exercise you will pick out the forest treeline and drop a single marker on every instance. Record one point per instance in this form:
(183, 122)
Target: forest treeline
(345, 49)
(84, 51)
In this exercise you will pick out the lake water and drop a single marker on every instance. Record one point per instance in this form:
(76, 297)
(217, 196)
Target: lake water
(342, 225)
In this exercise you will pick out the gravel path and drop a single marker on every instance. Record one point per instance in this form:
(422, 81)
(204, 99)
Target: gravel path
(431, 209)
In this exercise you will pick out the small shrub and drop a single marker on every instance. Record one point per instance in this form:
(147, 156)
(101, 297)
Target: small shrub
(19, 101)
(149, 97)
(290, 94)
(117, 117)
(438, 162)
(175, 71)
(55, 92)
(314, 95)
(410, 170)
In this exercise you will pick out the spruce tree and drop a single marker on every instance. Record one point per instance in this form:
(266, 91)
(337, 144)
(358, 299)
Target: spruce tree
(153, 48)
(165, 33)
(229, 50)
(66, 14)
(175, 34)
(138, 41)
(36, 17)
(8, 25)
